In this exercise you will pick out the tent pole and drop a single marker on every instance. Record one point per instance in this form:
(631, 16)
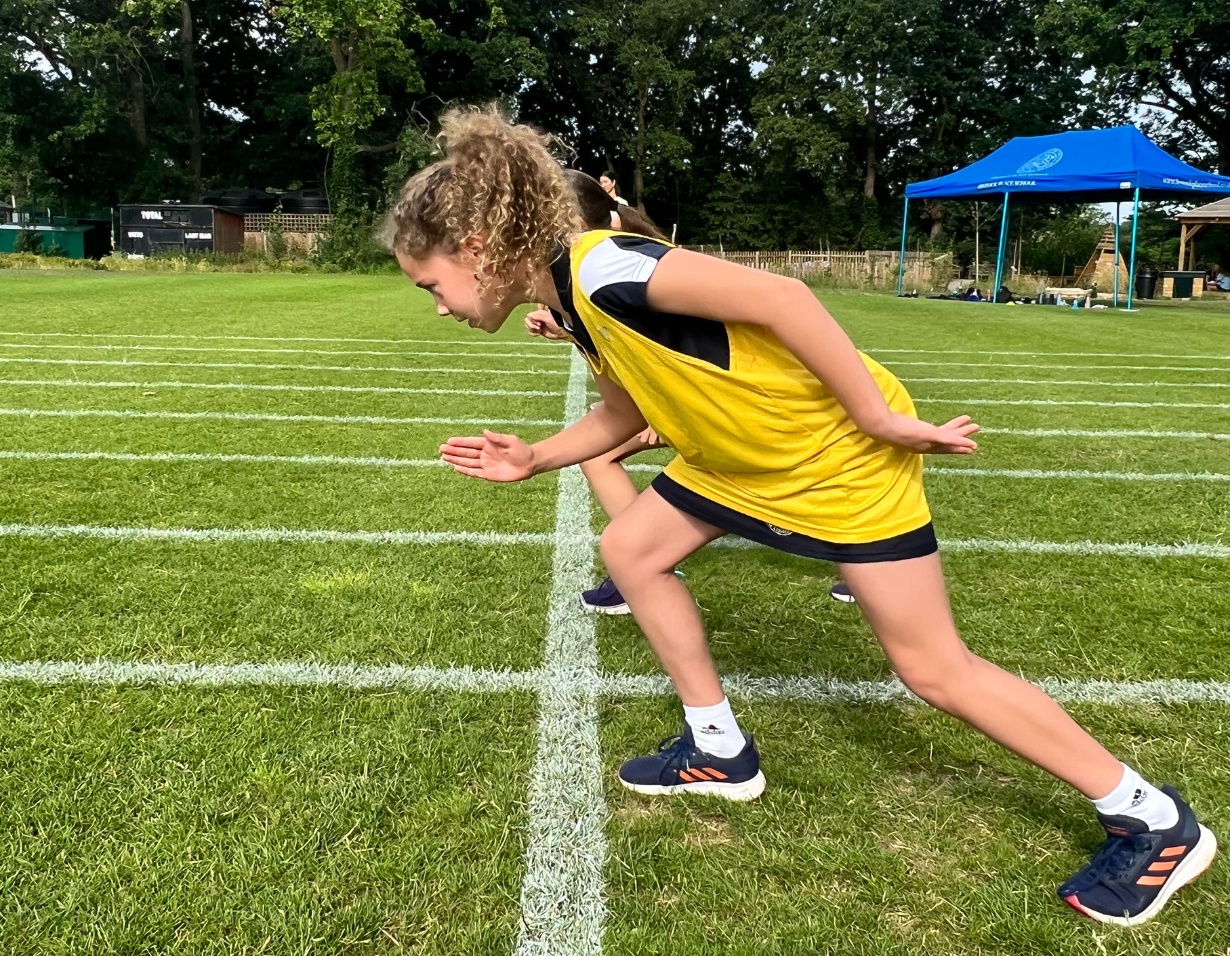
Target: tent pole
(905, 220)
(1132, 266)
(1182, 245)
(999, 260)
(1116, 303)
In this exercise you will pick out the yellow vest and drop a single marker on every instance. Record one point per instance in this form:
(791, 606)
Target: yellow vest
(765, 437)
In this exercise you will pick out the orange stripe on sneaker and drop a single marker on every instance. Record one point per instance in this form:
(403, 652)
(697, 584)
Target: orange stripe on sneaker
(684, 775)
(1162, 867)
(717, 774)
(1174, 851)
(1151, 881)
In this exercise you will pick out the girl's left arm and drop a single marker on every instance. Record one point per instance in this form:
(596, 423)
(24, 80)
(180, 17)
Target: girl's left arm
(688, 283)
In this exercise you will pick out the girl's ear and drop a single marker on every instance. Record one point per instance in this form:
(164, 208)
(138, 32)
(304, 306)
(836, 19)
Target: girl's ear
(474, 246)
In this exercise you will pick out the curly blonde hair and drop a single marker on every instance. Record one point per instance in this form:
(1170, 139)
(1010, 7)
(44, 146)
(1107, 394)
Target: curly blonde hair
(498, 180)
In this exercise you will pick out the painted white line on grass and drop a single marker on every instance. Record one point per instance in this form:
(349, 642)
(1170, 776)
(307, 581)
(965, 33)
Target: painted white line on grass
(1061, 401)
(271, 674)
(562, 898)
(279, 366)
(1044, 354)
(1101, 433)
(826, 690)
(557, 355)
(256, 387)
(201, 458)
(1060, 381)
(1124, 368)
(379, 462)
(272, 535)
(538, 344)
(1124, 549)
(351, 676)
(1077, 474)
(269, 417)
(494, 538)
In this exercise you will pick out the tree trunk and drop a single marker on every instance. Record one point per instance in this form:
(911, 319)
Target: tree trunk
(935, 212)
(873, 119)
(190, 98)
(136, 103)
(638, 172)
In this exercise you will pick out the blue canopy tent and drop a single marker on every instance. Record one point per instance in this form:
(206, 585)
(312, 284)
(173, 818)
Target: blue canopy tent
(1097, 165)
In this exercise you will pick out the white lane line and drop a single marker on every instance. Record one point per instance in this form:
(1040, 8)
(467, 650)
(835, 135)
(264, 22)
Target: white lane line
(1060, 381)
(256, 387)
(562, 897)
(35, 413)
(1077, 474)
(532, 344)
(492, 538)
(1124, 368)
(1102, 433)
(355, 676)
(1044, 354)
(263, 535)
(380, 462)
(279, 366)
(201, 458)
(271, 674)
(1125, 549)
(827, 690)
(558, 354)
(1061, 401)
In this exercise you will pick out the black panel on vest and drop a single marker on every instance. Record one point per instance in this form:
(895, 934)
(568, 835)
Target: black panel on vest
(690, 335)
(561, 275)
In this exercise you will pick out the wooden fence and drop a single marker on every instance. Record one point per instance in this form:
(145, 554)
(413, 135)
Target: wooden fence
(876, 268)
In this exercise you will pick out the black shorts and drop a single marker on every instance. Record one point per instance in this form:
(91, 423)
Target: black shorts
(913, 544)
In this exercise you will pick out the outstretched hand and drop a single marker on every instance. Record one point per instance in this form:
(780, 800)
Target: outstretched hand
(952, 438)
(494, 457)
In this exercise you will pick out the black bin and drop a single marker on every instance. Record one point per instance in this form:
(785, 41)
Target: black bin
(1146, 283)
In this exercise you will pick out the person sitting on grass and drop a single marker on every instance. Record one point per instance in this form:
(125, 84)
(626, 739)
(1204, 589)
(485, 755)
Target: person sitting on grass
(786, 435)
(605, 474)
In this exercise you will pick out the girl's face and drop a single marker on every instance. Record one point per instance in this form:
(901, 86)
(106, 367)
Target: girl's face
(453, 281)
(607, 183)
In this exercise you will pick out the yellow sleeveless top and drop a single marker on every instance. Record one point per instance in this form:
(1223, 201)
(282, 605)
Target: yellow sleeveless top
(754, 429)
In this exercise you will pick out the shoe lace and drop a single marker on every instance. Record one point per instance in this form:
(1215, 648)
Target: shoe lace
(676, 751)
(1116, 860)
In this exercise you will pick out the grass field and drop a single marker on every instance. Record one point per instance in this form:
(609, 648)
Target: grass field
(275, 683)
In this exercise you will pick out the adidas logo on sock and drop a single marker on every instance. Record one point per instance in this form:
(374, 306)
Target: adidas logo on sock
(712, 730)
(1138, 798)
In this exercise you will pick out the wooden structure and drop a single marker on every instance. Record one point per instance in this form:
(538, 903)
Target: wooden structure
(173, 227)
(1100, 269)
(1192, 223)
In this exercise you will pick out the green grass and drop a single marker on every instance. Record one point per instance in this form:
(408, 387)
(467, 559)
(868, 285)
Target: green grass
(288, 820)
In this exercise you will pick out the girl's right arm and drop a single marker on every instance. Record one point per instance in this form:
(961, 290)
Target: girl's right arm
(497, 457)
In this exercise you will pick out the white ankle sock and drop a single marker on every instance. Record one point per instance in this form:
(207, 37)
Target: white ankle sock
(715, 730)
(1137, 798)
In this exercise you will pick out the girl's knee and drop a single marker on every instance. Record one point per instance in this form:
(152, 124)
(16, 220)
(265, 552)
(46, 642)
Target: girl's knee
(941, 681)
(616, 546)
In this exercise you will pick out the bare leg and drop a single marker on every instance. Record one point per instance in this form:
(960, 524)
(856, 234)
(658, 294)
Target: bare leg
(607, 479)
(640, 549)
(906, 604)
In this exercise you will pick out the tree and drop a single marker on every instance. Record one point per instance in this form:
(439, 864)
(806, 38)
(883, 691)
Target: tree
(1171, 56)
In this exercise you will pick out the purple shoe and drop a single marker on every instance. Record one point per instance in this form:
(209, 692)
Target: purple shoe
(605, 599)
(841, 592)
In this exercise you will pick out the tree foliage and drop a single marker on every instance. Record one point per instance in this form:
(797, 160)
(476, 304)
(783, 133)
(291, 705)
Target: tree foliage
(729, 121)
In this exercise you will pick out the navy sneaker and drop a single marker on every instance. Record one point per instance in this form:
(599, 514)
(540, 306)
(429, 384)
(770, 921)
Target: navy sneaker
(605, 599)
(680, 766)
(841, 592)
(1134, 873)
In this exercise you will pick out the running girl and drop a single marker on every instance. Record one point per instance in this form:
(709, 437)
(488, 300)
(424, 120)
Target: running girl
(787, 436)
